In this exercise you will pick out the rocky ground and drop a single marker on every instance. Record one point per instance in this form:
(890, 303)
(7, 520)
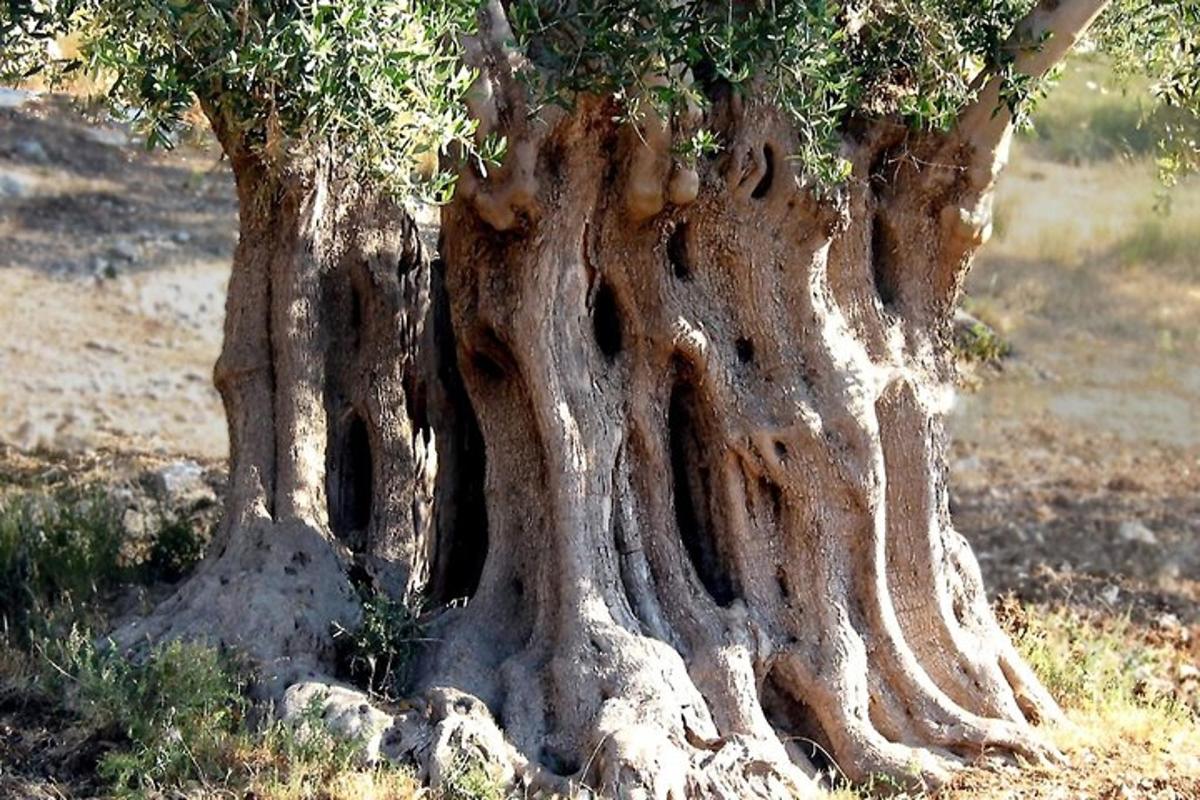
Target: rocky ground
(1075, 462)
(113, 265)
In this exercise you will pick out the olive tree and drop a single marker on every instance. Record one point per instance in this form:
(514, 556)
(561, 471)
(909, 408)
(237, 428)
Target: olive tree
(656, 429)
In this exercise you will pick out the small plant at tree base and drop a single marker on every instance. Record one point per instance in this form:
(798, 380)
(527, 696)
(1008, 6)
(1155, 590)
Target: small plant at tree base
(469, 779)
(377, 654)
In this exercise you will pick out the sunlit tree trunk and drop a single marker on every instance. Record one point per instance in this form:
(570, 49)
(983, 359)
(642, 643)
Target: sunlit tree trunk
(332, 462)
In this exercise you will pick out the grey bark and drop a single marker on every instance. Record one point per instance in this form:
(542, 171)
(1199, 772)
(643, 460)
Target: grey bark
(690, 461)
(332, 464)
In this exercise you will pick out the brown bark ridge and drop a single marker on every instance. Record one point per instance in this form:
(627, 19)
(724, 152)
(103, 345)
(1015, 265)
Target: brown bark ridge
(332, 462)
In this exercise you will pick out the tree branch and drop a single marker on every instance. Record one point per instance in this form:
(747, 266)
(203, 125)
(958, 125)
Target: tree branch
(1039, 42)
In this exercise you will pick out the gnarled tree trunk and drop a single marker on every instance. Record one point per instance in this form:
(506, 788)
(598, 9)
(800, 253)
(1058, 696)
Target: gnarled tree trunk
(720, 556)
(332, 465)
(690, 434)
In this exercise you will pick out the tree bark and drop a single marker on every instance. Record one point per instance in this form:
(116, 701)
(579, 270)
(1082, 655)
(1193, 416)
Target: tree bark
(332, 462)
(720, 557)
(690, 460)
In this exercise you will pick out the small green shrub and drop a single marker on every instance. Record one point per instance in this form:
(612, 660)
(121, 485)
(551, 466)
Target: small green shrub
(174, 712)
(1097, 669)
(469, 779)
(176, 550)
(378, 653)
(979, 343)
(62, 551)
(56, 551)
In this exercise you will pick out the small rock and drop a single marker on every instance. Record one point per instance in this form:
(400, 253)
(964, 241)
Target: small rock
(15, 186)
(135, 522)
(92, 344)
(14, 98)
(1135, 531)
(181, 237)
(181, 482)
(1124, 483)
(104, 269)
(125, 250)
(112, 137)
(1109, 594)
(1168, 622)
(31, 150)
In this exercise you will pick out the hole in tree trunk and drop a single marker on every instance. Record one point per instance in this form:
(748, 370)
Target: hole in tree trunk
(350, 482)
(461, 504)
(764, 184)
(691, 475)
(677, 252)
(883, 253)
(606, 322)
(796, 722)
(491, 357)
(745, 350)
(558, 762)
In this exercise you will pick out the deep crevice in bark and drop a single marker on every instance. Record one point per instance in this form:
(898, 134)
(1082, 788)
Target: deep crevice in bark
(768, 178)
(461, 543)
(606, 322)
(350, 480)
(677, 252)
(883, 256)
(797, 724)
(692, 486)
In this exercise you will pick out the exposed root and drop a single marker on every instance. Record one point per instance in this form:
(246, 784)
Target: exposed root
(275, 594)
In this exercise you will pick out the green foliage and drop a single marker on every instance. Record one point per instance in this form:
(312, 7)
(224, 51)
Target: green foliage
(1093, 667)
(378, 81)
(62, 551)
(178, 719)
(979, 343)
(820, 62)
(174, 710)
(378, 653)
(382, 82)
(1160, 40)
(55, 550)
(175, 552)
(469, 779)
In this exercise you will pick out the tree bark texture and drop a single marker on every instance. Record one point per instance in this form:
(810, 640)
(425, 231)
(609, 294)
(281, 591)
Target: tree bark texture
(332, 465)
(720, 556)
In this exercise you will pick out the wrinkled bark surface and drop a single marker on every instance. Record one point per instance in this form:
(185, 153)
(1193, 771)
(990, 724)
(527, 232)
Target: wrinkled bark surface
(720, 557)
(690, 470)
(332, 466)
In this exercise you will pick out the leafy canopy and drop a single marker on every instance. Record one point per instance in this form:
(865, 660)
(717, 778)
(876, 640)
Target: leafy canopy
(384, 81)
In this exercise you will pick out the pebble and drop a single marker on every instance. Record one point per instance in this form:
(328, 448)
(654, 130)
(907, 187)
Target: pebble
(1134, 531)
(14, 98)
(106, 136)
(178, 480)
(125, 250)
(15, 186)
(31, 150)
